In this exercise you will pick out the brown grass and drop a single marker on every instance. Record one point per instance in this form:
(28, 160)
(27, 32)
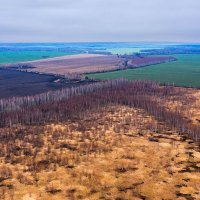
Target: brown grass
(188, 105)
(109, 154)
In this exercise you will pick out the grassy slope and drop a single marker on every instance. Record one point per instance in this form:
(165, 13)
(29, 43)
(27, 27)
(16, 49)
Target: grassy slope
(184, 72)
(19, 56)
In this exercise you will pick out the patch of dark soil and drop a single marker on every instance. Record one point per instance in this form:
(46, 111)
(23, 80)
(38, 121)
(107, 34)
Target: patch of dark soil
(186, 196)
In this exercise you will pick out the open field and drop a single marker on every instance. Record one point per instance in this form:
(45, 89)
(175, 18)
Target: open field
(11, 53)
(183, 72)
(20, 56)
(105, 158)
(89, 63)
(17, 83)
(123, 50)
(82, 63)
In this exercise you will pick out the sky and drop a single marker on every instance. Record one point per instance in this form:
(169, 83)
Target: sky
(99, 20)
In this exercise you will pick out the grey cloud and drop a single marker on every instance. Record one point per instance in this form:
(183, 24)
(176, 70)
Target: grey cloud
(99, 20)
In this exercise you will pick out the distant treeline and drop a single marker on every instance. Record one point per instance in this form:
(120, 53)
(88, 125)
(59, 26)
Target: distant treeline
(173, 50)
(66, 104)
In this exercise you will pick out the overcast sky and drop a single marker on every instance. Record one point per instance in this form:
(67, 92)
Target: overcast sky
(99, 20)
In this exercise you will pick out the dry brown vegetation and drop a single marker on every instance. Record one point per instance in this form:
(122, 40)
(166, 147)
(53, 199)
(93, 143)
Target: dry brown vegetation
(71, 103)
(188, 104)
(121, 140)
(114, 153)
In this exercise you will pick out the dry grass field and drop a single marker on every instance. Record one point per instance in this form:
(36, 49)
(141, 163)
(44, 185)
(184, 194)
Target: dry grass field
(110, 154)
(80, 64)
(188, 105)
(110, 151)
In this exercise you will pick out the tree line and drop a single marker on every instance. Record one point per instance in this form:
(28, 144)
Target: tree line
(70, 103)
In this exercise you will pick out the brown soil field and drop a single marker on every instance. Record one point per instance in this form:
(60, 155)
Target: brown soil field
(111, 153)
(83, 63)
(87, 63)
